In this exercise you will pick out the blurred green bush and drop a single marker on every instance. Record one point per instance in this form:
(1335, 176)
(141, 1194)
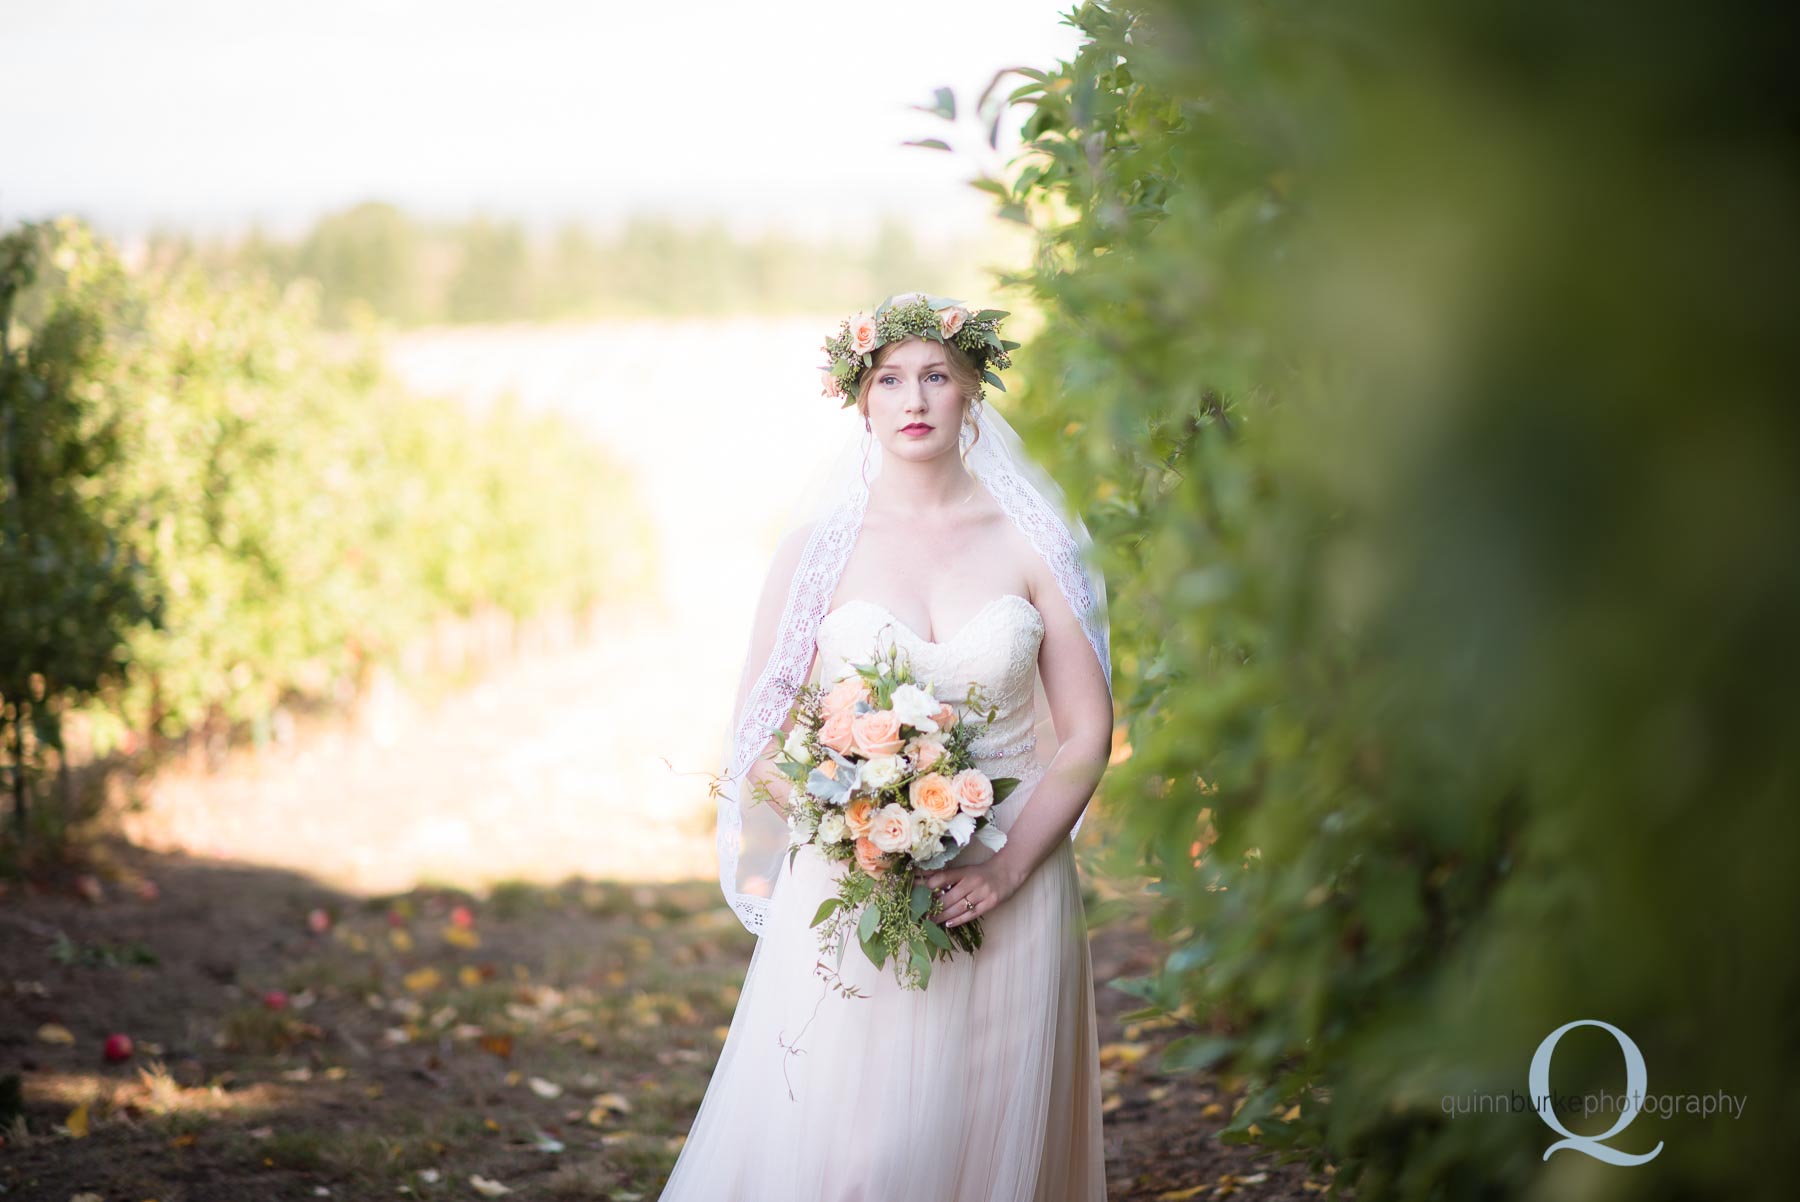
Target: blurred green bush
(1425, 373)
(206, 509)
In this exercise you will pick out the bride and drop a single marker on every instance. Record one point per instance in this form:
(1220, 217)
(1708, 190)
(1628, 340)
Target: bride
(936, 536)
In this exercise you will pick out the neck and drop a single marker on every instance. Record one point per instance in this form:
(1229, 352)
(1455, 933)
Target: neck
(940, 483)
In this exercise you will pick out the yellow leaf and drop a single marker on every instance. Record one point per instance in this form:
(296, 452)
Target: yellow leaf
(468, 976)
(1178, 1195)
(77, 1122)
(461, 936)
(401, 938)
(614, 1101)
(1123, 1053)
(487, 1188)
(423, 979)
(1212, 1110)
(1293, 1112)
(55, 1033)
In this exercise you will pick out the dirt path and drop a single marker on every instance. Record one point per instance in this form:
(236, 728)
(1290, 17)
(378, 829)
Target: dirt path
(563, 763)
(552, 1040)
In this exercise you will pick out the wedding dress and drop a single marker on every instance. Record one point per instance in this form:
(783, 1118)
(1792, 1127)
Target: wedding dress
(984, 1086)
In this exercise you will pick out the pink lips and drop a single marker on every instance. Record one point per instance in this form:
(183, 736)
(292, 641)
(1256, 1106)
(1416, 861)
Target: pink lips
(917, 429)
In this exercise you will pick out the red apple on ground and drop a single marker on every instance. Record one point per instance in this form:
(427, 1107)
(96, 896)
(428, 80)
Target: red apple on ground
(463, 917)
(118, 1047)
(275, 999)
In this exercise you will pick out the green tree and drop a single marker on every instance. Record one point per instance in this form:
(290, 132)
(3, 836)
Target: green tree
(1423, 370)
(69, 591)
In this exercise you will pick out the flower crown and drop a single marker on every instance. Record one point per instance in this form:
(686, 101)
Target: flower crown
(913, 315)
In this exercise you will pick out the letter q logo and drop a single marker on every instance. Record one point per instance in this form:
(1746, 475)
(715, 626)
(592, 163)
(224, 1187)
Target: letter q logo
(1635, 1080)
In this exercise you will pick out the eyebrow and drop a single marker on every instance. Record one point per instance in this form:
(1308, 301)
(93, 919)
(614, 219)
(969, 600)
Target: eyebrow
(926, 367)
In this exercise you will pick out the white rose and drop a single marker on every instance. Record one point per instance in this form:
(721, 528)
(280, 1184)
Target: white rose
(882, 771)
(802, 822)
(931, 825)
(915, 707)
(832, 827)
(926, 842)
(795, 746)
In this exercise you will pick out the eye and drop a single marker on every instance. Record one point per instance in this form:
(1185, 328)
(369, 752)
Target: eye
(938, 375)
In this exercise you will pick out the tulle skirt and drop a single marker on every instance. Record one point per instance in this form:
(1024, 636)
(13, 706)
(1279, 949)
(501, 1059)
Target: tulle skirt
(983, 1087)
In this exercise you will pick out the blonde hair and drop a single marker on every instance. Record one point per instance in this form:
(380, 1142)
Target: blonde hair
(962, 370)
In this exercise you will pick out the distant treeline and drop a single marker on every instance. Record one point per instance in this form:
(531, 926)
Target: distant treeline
(412, 272)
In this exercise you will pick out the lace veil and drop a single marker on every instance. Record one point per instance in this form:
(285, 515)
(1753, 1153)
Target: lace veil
(796, 596)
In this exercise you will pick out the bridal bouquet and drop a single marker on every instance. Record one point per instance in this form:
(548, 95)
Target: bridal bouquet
(885, 781)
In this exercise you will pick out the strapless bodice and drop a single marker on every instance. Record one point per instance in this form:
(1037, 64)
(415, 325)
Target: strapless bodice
(996, 650)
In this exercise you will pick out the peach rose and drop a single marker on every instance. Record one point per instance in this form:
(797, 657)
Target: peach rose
(951, 320)
(891, 828)
(858, 814)
(974, 791)
(946, 716)
(864, 333)
(877, 732)
(845, 694)
(838, 734)
(924, 752)
(933, 796)
(869, 858)
(832, 387)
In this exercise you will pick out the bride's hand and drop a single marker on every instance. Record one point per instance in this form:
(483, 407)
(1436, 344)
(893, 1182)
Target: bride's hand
(985, 885)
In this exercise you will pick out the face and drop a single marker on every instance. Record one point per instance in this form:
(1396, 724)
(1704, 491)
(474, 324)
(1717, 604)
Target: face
(915, 407)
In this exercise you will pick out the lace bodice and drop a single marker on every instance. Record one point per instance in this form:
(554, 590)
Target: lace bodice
(997, 650)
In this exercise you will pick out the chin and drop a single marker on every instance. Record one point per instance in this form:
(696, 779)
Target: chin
(930, 448)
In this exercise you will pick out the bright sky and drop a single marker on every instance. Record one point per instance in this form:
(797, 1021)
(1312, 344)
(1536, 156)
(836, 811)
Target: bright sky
(208, 113)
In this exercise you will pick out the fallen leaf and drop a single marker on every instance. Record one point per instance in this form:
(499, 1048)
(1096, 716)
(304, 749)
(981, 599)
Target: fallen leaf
(1123, 1053)
(77, 1122)
(487, 1188)
(545, 1089)
(614, 1101)
(55, 1033)
(423, 979)
(461, 937)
